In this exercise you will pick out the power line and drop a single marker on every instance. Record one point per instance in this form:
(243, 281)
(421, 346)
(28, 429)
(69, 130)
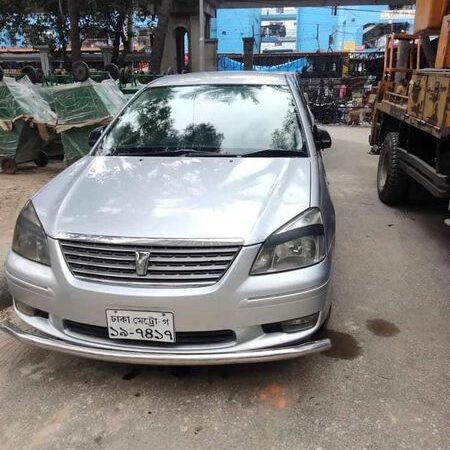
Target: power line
(358, 10)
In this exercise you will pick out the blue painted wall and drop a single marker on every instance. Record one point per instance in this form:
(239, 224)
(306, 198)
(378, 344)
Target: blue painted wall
(351, 21)
(231, 25)
(307, 20)
(347, 25)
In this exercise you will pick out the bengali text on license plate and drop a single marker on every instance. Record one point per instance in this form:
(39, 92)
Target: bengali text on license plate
(140, 325)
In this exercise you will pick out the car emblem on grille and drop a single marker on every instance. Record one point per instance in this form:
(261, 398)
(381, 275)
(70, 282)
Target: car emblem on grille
(142, 263)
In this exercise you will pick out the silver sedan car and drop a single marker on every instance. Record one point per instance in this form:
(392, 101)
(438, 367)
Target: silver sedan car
(199, 230)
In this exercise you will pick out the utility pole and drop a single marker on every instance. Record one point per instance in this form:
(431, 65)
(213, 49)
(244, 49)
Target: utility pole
(317, 37)
(201, 24)
(343, 34)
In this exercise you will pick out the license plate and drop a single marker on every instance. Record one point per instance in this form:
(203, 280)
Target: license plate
(140, 325)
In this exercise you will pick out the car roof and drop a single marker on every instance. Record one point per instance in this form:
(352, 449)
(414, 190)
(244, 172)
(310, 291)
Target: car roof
(199, 78)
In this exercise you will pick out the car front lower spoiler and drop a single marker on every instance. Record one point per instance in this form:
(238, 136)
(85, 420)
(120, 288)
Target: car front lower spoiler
(159, 358)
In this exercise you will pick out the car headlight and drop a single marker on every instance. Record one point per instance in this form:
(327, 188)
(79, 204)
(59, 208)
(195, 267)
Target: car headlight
(30, 240)
(299, 243)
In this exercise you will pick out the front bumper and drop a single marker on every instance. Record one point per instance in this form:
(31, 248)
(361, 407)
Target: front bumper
(160, 358)
(238, 302)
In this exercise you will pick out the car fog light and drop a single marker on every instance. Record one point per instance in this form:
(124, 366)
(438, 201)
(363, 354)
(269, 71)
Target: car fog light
(25, 309)
(300, 324)
(30, 311)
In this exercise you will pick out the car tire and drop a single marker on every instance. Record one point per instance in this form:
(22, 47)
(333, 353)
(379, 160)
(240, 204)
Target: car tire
(392, 181)
(41, 160)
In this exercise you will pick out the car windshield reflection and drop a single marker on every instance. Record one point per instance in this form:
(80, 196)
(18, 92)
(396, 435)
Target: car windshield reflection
(208, 120)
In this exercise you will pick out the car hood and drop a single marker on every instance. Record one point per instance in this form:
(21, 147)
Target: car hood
(175, 197)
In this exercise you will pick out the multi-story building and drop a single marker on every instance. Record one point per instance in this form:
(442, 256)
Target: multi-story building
(278, 30)
(399, 20)
(231, 25)
(309, 29)
(316, 29)
(351, 21)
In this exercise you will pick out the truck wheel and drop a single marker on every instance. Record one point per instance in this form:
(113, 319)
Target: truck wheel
(392, 181)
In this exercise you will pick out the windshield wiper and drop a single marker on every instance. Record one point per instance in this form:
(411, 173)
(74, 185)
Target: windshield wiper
(166, 151)
(203, 151)
(276, 153)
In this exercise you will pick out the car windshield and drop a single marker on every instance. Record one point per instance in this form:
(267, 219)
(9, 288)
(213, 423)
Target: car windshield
(208, 120)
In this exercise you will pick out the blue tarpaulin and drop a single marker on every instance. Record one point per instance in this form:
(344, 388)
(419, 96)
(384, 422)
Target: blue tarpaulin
(226, 63)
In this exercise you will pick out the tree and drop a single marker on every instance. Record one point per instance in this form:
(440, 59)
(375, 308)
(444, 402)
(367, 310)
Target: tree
(159, 35)
(73, 7)
(62, 31)
(202, 135)
(118, 18)
(20, 21)
(58, 22)
(23, 23)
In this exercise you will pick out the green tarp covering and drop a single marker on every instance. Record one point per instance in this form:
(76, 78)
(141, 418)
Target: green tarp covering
(9, 140)
(23, 113)
(74, 110)
(76, 143)
(86, 103)
(80, 108)
(20, 99)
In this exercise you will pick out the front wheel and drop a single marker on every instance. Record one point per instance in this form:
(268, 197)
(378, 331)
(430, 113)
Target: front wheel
(392, 181)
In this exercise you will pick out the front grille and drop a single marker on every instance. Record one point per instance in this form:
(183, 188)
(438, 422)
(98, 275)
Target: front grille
(181, 337)
(167, 265)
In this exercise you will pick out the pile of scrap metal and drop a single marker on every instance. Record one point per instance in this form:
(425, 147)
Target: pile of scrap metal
(338, 100)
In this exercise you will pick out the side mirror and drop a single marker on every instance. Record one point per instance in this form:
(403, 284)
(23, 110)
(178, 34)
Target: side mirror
(322, 139)
(95, 134)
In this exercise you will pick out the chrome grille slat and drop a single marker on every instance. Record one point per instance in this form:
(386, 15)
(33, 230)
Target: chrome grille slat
(80, 262)
(149, 276)
(171, 250)
(168, 265)
(155, 257)
(139, 282)
(151, 267)
(68, 253)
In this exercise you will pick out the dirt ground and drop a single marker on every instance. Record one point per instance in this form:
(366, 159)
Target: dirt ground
(385, 384)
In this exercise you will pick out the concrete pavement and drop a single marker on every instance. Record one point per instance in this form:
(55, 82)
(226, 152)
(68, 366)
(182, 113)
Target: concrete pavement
(384, 385)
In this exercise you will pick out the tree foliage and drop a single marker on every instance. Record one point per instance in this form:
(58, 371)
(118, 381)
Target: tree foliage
(58, 22)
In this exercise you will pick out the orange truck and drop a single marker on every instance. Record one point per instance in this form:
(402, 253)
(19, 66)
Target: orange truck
(411, 122)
